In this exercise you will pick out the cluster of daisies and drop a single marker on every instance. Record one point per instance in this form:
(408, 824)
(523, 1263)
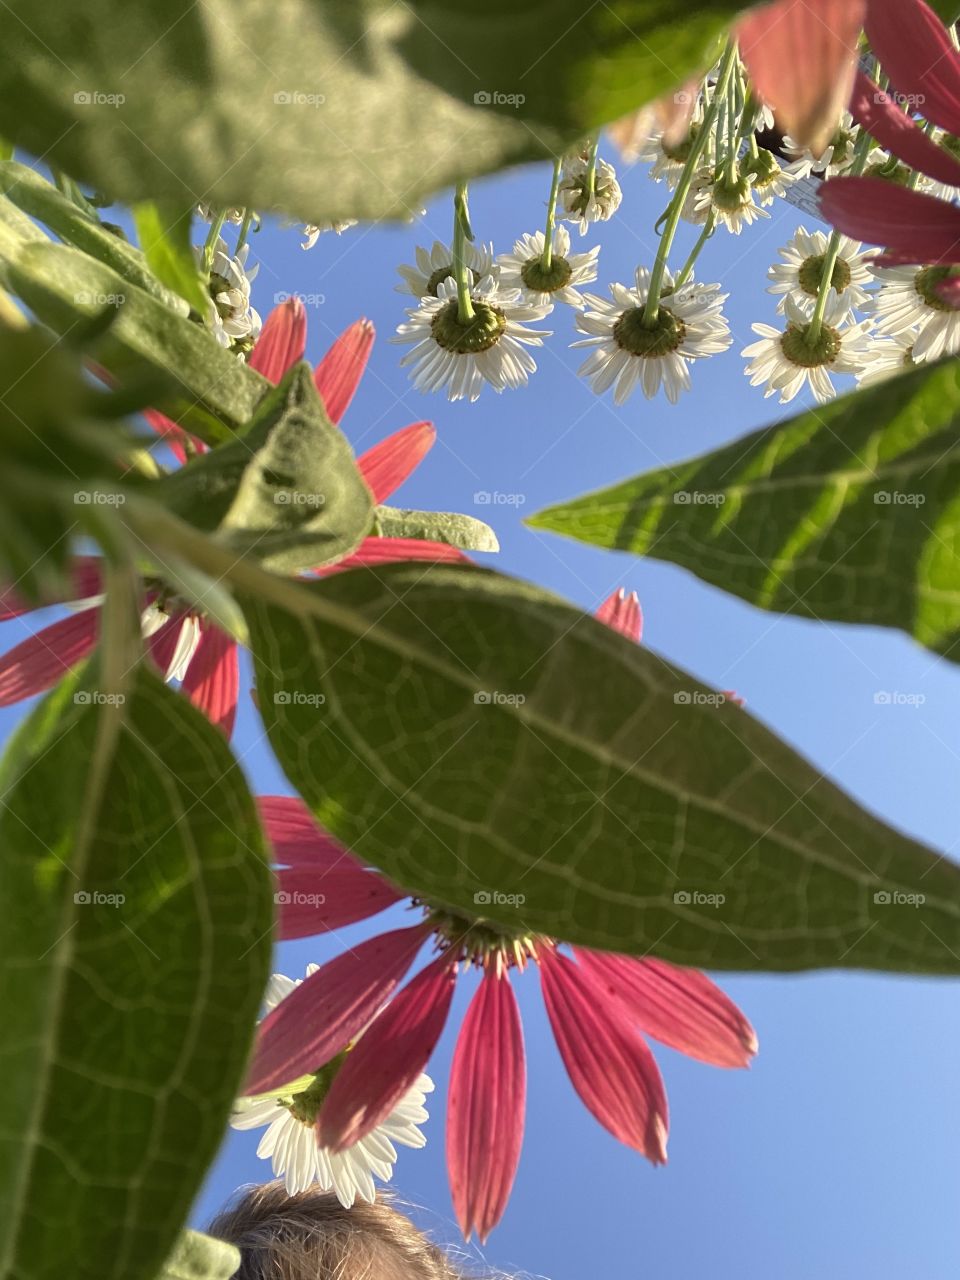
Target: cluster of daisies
(477, 315)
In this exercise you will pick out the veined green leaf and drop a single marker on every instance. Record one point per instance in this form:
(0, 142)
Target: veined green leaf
(137, 917)
(465, 532)
(533, 767)
(164, 233)
(849, 513)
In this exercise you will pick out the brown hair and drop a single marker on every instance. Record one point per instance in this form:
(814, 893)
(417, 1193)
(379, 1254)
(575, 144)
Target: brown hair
(311, 1236)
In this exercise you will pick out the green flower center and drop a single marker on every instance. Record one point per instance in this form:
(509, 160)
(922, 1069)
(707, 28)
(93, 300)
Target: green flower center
(305, 1106)
(842, 144)
(666, 335)
(810, 355)
(546, 279)
(480, 941)
(761, 169)
(445, 273)
(811, 274)
(926, 282)
(679, 152)
(891, 170)
(731, 196)
(468, 339)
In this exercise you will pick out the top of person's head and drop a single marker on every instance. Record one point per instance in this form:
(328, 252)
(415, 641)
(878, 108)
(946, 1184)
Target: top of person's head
(311, 1236)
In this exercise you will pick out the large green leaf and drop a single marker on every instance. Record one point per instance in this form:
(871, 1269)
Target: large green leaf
(289, 492)
(524, 749)
(163, 230)
(329, 108)
(208, 390)
(135, 945)
(849, 513)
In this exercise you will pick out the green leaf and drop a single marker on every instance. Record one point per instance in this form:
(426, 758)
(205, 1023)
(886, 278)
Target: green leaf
(261, 104)
(529, 765)
(137, 917)
(164, 234)
(208, 391)
(449, 527)
(849, 513)
(40, 199)
(289, 492)
(200, 1257)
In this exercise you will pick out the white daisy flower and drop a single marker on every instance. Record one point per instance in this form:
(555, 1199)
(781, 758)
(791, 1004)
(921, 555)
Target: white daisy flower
(207, 212)
(696, 207)
(732, 203)
(799, 274)
(907, 299)
(576, 201)
(667, 160)
(290, 1140)
(435, 266)
(786, 361)
(233, 320)
(836, 158)
(690, 325)
(523, 269)
(448, 354)
(890, 357)
(768, 179)
(314, 230)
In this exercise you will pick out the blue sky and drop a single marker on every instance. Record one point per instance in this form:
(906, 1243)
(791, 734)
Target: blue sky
(838, 1153)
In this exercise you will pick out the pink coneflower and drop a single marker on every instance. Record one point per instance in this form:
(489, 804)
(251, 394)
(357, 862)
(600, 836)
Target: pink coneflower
(916, 52)
(183, 645)
(600, 1006)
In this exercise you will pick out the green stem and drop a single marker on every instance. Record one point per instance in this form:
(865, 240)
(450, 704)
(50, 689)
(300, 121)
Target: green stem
(462, 232)
(213, 236)
(864, 144)
(733, 125)
(244, 230)
(546, 259)
(652, 308)
(592, 169)
(708, 229)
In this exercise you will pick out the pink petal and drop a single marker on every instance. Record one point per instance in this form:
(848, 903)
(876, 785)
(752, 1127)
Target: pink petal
(297, 838)
(389, 463)
(173, 435)
(339, 372)
(607, 1060)
(916, 228)
(877, 112)
(374, 551)
(681, 1008)
(388, 1057)
(917, 54)
(312, 901)
(162, 645)
(319, 1018)
(801, 57)
(212, 681)
(86, 580)
(623, 613)
(36, 664)
(282, 340)
(485, 1106)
